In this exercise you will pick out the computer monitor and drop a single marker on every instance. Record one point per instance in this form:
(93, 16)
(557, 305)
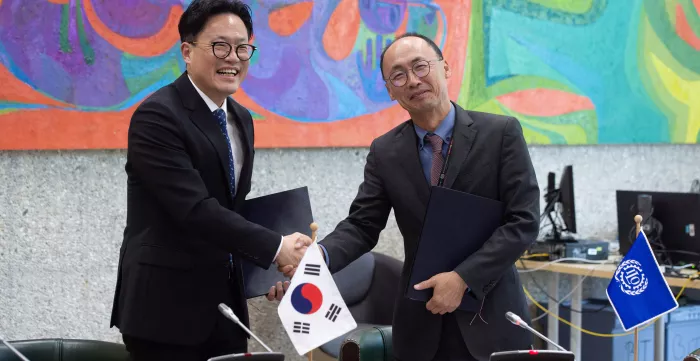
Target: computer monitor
(669, 220)
(564, 197)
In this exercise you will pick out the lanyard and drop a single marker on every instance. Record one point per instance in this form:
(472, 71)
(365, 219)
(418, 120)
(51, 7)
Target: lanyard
(441, 180)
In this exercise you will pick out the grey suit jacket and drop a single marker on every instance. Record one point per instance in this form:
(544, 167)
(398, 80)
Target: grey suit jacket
(490, 159)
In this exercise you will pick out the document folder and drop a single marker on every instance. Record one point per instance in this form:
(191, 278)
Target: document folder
(284, 212)
(456, 224)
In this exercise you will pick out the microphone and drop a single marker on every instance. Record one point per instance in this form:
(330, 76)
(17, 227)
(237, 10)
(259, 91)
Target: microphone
(516, 320)
(226, 311)
(14, 350)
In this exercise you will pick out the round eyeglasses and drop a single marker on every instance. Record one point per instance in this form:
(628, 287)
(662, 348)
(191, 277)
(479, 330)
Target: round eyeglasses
(222, 49)
(420, 68)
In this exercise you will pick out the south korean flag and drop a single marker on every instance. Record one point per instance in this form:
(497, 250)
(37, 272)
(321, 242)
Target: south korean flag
(312, 311)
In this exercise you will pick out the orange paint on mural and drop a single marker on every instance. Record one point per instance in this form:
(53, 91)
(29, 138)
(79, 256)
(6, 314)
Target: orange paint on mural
(456, 42)
(404, 23)
(14, 90)
(342, 30)
(279, 132)
(153, 45)
(696, 3)
(684, 30)
(287, 20)
(64, 129)
(545, 102)
(61, 2)
(69, 129)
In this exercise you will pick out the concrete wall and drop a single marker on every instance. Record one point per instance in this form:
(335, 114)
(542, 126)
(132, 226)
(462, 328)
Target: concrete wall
(62, 216)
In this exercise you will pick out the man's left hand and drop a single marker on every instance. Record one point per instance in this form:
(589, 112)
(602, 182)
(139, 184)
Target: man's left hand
(448, 289)
(277, 292)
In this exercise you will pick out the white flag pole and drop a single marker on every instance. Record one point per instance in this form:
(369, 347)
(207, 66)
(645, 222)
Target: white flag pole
(314, 230)
(638, 221)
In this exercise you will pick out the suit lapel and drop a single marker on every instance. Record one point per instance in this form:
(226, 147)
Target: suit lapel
(464, 136)
(407, 152)
(203, 118)
(247, 147)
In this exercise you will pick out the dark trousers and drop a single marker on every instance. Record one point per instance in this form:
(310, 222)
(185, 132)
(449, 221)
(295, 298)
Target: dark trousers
(226, 338)
(452, 346)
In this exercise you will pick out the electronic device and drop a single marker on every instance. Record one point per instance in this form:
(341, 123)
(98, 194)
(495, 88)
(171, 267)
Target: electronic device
(531, 355)
(589, 250)
(583, 249)
(669, 222)
(560, 203)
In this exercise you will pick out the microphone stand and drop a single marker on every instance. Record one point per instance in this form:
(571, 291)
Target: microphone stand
(14, 350)
(255, 356)
(516, 320)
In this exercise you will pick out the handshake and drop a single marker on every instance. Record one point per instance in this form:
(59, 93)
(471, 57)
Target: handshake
(294, 247)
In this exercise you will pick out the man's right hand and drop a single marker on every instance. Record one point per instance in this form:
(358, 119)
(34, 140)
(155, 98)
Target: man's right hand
(289, 270)
(293, 248)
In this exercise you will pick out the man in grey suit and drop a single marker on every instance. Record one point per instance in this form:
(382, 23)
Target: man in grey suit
(489, 158)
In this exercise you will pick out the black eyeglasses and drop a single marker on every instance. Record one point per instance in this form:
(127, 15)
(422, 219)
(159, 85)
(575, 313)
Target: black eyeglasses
(420, 68)
(222, 49)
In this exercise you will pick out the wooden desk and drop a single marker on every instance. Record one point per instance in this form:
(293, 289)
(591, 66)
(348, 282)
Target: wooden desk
(577, 271)
(599, 271)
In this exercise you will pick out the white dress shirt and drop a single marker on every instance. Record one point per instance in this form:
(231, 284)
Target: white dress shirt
(234, 135)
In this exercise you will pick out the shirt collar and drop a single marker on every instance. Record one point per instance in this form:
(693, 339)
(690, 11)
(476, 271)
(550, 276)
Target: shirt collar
(444, 130)
(210, 103)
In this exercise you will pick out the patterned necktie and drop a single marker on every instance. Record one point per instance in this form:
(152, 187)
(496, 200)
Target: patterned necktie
(221, 118)
(438, 160)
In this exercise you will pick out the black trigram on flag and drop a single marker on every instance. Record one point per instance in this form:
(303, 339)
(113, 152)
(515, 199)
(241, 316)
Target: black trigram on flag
(333, 312)
(312, 269)
(302, 327)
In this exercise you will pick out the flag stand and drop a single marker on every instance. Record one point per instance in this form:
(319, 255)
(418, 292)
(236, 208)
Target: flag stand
(638, 222)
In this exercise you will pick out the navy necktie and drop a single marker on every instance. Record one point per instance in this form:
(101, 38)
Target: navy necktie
(220, 116)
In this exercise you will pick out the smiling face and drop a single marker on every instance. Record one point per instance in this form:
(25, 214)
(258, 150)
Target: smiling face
(417, 77)
(216, 77)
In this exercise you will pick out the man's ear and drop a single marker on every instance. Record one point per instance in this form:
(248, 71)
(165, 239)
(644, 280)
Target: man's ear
(186, 51)
(448, 71)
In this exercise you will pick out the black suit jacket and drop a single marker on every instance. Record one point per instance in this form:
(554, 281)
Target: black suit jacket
(181, 222)
(490, 159)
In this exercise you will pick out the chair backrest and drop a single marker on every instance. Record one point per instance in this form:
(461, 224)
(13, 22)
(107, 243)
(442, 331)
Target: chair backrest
(57, 349)
(368, 344)
(355, 279)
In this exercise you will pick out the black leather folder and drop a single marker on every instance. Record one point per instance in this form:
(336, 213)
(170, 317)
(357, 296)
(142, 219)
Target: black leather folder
(284, 212)
(456, 225)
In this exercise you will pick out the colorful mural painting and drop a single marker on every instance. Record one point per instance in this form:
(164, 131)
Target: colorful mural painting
(573, 72)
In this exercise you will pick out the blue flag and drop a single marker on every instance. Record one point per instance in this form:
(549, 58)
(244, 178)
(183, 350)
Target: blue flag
(638, 290)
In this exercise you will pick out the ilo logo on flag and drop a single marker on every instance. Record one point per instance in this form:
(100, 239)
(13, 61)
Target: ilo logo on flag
(307, 298)
(631, 277)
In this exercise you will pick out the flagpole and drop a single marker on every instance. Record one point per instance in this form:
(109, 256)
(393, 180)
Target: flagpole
(314, 229)
(638, 222)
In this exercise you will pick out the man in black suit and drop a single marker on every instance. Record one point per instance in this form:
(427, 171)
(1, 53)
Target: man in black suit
(189, 165)
(489, 158)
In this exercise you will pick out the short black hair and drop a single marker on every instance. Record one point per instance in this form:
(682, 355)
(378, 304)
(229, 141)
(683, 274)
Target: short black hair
(428, 40)
(199, 12)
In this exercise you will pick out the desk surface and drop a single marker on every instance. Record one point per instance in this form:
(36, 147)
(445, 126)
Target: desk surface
(596, 270)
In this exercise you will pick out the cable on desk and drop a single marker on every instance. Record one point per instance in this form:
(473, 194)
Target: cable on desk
(559, 302)
(563, 260)
(532, 299)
